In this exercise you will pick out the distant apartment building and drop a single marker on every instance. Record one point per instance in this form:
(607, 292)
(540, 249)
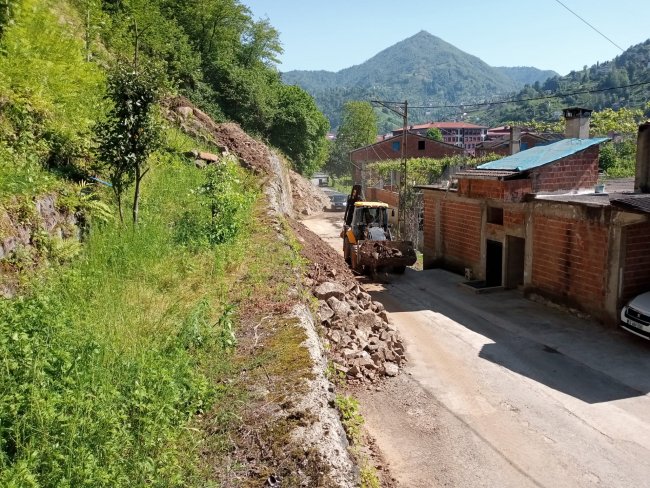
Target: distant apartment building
(460, 134)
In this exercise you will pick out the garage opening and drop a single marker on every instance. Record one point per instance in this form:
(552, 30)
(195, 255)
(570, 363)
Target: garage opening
(494, 263)
(515, 262)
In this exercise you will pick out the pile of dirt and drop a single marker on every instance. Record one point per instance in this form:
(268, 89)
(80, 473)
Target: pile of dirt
(308, 199)
(362, 344)
(289, 192)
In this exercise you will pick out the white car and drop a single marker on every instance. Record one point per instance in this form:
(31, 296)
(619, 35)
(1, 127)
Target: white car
(635, 316)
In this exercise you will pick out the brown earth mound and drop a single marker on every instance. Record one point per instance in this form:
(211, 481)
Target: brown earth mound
(252, 154)
(308, 199)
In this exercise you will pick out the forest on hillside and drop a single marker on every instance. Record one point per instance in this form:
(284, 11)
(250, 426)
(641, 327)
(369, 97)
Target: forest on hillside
(213, 52)
(631, 67)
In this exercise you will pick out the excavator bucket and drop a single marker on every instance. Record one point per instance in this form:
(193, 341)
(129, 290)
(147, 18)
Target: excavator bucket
(383, 254)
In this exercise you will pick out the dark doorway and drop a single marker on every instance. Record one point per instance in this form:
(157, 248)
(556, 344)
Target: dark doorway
(515, 262)
(494, 263)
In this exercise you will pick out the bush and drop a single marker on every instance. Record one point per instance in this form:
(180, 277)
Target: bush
(618, 159)
(225, 200)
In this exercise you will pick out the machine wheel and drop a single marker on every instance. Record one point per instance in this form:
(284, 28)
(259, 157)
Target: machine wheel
(399, 269)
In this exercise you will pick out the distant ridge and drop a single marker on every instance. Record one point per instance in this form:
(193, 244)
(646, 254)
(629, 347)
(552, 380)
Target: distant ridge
(423, 69)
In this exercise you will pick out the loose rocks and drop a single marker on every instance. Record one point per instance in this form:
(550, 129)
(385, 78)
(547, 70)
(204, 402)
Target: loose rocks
(362, 344)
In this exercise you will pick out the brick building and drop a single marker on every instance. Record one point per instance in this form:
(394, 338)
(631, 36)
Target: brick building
(507, 145)
(460, 134)
(534, 221)
(417, 146)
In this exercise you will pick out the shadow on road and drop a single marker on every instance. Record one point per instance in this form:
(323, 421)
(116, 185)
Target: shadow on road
(574, 356)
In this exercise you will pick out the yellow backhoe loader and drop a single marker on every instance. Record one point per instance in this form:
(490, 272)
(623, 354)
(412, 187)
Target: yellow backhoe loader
(368, 244)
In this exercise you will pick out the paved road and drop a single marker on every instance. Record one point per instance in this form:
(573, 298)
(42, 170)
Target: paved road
(503, 392)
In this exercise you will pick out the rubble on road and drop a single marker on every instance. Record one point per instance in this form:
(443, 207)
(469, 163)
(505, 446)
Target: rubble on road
(362, 344)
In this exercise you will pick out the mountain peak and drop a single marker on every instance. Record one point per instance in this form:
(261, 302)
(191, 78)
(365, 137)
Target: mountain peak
(423, 69)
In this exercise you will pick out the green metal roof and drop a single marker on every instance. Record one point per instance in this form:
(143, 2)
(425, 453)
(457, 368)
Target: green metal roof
(541, 155)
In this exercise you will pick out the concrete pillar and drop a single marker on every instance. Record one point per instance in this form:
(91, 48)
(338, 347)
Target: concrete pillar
(614, 271)
(515, 140)
(642, 180)
(480, 273)
(577, 123)
(528, 255)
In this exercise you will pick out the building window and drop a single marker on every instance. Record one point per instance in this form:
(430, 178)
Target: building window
(495, 215)
(421, 145)
(396, 146)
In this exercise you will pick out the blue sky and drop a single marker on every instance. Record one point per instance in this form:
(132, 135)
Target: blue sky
(336, 34)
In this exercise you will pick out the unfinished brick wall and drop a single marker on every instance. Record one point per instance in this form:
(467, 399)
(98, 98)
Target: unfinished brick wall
(513, 220)
(636, 261)
(461, 233)
(379, 195)
(571, 173)
(570, 261)
(471, 188)
(503, 190)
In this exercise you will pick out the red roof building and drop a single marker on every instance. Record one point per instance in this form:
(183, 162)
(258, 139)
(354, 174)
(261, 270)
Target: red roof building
(460, 134)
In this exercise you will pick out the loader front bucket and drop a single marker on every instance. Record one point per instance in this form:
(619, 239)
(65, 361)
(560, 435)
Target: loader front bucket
(384, 254)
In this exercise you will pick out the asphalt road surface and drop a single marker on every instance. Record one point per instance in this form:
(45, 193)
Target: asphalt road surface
(500, 391)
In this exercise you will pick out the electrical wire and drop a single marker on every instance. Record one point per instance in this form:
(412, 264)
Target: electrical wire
(612, 42)
(530, 99)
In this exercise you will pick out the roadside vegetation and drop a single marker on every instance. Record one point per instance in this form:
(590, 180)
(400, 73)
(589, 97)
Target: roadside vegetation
(122, 355)
(426, 171)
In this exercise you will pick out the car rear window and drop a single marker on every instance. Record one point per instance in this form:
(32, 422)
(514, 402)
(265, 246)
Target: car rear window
(338, 198)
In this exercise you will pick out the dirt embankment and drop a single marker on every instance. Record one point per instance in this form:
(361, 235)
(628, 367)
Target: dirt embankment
(288, 192)
(295, 436)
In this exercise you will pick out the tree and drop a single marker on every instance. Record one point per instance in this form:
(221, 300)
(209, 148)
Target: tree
(130, 132)
(622, 121)
(299, 129)
(434, 133)
(358, 129)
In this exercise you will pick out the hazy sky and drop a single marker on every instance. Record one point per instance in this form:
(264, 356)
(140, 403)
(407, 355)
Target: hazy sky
(336, 34)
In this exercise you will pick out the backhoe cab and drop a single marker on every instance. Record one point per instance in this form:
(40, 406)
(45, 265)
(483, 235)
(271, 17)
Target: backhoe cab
(368, 244)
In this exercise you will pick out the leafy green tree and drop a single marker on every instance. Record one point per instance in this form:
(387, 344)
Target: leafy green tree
(435, 134)
(299, 129)
(622, 121)
(358, 129)
(131, 131)
(6, 10)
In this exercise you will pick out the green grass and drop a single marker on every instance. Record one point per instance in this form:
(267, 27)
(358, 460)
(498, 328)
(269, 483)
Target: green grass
(49, 99)
(104, 362)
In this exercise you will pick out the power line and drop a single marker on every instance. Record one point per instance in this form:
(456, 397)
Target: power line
(612, 42)
(531, 99)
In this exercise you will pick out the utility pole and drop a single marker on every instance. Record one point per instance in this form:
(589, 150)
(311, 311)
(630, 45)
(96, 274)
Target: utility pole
(401, 109)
